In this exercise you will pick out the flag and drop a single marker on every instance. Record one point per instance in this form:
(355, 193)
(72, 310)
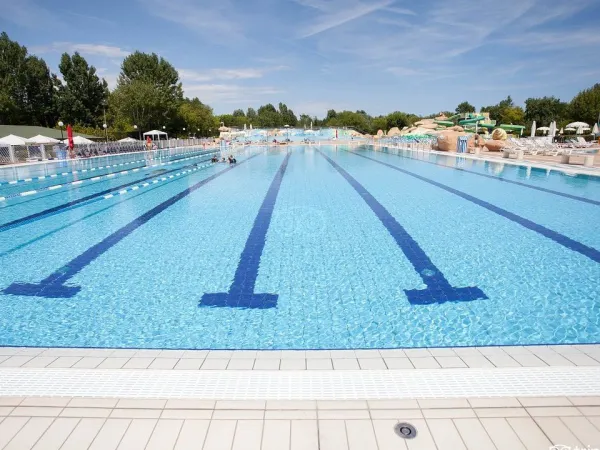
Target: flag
(70, 137)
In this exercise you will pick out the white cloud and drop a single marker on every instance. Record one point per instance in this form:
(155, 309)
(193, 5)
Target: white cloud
(84, 49)
(227, 74)
(229, 93)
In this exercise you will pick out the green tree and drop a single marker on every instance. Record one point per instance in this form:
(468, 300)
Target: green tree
(196, 117)
(304, 121)
(465, 107)
(544, 110)
(379, 123)
(506, 112)
(27, 88)
(239, 113)
(397, 119)
(83, 95)
(251, 115)
(331, 114)
(287, 115)
(585, 106)
(268, 117)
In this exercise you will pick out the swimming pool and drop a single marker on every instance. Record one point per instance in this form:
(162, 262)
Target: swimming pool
(302, 248)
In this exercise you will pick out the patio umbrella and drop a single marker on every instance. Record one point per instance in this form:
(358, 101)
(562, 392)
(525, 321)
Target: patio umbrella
(544, 129)
(570, 129)
(11, 139)
(577, 125)
(533, 129)
(70, 136)
(553, 129)
(595, 130)
(40, 139)
(561, 131)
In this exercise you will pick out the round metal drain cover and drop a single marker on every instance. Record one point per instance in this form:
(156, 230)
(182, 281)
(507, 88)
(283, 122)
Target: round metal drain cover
(405, 430)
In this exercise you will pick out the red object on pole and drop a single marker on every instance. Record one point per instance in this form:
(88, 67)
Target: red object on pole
(70, 137)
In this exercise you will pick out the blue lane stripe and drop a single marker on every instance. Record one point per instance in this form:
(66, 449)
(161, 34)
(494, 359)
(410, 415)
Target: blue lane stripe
(60, 208)
(561, 239)
(53, 286)
(439, 290)
(241, 293)
(518, 183)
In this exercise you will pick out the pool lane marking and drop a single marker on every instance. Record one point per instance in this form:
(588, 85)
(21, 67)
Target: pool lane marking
(91, 169)
(559, 238)
(241, 293)
(56, 209)
(53, 286)
(518, 183)
(97, 178)
(438, 290)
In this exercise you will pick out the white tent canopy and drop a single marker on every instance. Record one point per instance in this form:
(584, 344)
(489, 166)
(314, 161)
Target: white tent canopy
(11, 139)
(40, 139)
(79, 140)
(128, 139)
(155, 133)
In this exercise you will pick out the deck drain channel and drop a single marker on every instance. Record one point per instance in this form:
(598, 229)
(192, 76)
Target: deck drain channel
(405, 430)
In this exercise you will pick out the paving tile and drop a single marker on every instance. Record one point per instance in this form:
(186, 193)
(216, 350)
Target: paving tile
(365, 354)
(99, 352)
(9, 351)
(59, 352)
(565, 349)
(304, 435)
(448, 413)
(35, 411)
(554, 411)
(345, 364)
(110, 434)
(214, 364)
(427, 362)
(581, 359)
(244, 354)
(439, 403)
(113, 363)
(398, 363)
(590, 410)
(240, 364)
(342, 354)
(502, 434)
(319, 364)
(93, 403)
(442, 352)
(473, 434)
(135, 413)
(276, 435)
(189, 364)
(466, 351)
(529, 433)
(417, 352)
(177, 354)
(516, 350)
(83, 434)
(56, 434)
(554, 359)
(502, 360)
(424, 439)
(9, 427)
(318, 354)
(192, 435)
(293, 364)
(140, 403)
(344, 414)
(501, 412)
(163, 363)
(5, 411)
(361, 435)
(503, 402)
(185, 414)
(450, 362)
(248, 435)
(147, 353)
(165, 435)
(220, 435)
(580, 401)
(393, 404)
(15, 361)
(268, 354)
(59, 402)
(138, 434)
(138, 363)
(189, 403)
(296, 414)
(123, 353)
(341, 404)
(529, 360)
(583, 429)
(392, 353)
(544, 401)
(387, 439)
(267, 364)
(240, 404)
(371, 364)
(11, 401)
(31, 351)
(195, 354)
(40, 361)
(88, 362)
(86, 412)
(219, 354)
(293, 354)
(493, 351)
(238, 414)
(396, 414)
(556, 430)
(30, 433)
(477, 362)
(332, 435)
(445, 434)
(291, 404)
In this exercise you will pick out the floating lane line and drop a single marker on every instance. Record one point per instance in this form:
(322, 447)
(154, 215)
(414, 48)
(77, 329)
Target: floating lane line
(74, 172)
(100, 177)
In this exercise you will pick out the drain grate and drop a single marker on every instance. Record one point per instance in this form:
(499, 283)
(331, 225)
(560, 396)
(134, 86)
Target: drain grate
(405, 430)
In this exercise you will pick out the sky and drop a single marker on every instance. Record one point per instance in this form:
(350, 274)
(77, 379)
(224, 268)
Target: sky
(380, 56)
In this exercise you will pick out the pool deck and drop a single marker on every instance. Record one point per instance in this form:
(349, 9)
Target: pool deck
(474, 398)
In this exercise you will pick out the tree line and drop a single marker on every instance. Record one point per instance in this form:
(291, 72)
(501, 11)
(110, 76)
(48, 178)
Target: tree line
(149, 95)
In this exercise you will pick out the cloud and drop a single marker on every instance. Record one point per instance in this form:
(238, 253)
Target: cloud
(227, 74)
(89, 17)
(403, 11)
(229, 93)
(332, 14)
(84, 49)
(28, 14)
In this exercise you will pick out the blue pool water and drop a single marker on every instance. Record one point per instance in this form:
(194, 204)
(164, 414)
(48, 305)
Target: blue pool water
(302, 248)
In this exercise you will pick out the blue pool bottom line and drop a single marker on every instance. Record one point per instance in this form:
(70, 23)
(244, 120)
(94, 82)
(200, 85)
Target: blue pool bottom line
(241, 293)
(438, 290)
